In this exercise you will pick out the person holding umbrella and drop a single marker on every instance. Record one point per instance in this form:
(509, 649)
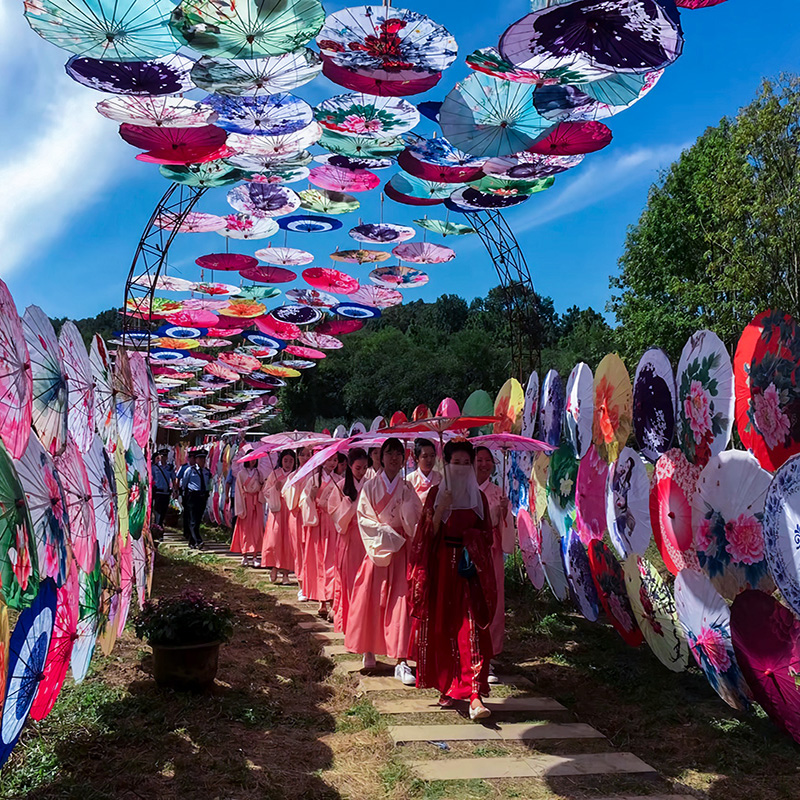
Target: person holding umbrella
(196, 486)
(278, 548)
(249, 507)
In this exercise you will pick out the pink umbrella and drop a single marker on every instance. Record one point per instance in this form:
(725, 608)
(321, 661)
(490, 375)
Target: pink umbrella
(590, 496)
(284, 256)
(574, 138)
(227, 262)
(332, 447)
(287, 439)
(193, 222)
(240, 362)
(16, 383)
(339, 179)
(221, 371)
(303, 352)
(78, 493)
(203, 304)
(336, 327)
(506, 442)
(423, 253)
(330, 280)
(376, 296)
(448, 408)
(275, 327)
(321, 340)
(376, 86)
(184, 156)
(268, 274)
(194, 317)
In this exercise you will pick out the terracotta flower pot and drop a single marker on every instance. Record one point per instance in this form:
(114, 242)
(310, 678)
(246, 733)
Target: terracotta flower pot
(188, 668)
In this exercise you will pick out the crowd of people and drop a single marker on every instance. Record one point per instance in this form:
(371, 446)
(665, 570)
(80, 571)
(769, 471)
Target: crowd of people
(409, 567)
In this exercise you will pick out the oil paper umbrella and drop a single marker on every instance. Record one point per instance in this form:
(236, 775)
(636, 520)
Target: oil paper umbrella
(283, 146)
(705, 397)
(381, 233)
(281, 330)
(551, 408)
(574, 138)
(220, 370)
(227, 262)
(330, 280)
(552, 561)
(488, 117)
(628, 504)
(609, 581)
(376, 296)
(613, 406)
(339, 179)
(398, 277)
(268, 115)
(579, 408)
(296, 314)
(284, 256)
(437, 160)
(308, 223)
(124, 395)
(268, 274)
(130, 30)
(102, 486)
(193, 222)
(239, 362)
(530, 408)
(304, 352)
(141, 398)
(365, 146)
(263, 199)
(530, 166)
(561, 487)
(654, 609)
(654, 403)
(765, 368)
(65, 628)
(489, 61)
(78, 493)
(80, 385)
(638, 37)
(359, 256)
(540, 473)
(257, 76)
(530, 544)
(357, 114)
(590, 496)
(321, 340)
(16, 384)
(214, 289)
(158, 112)
(159, 76)
(349, 79)
(28, 650)
(423, 253)
(508, 406)
(323, 201)
(243, 309)
(357, 311)
(765, 642)
(312, 297)
(250, 29)
(126, 582)
(413, 191)
(175, 145)
(243, 226)
(705, 618)
(139, 561)
(47, 505)
(208, 174)
(727, 515)
(263, 341)
(138, 479)
(468, 199)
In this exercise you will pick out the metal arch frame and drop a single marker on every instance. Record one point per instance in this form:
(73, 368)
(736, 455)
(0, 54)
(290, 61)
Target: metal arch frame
(151, 253)
(512, 269)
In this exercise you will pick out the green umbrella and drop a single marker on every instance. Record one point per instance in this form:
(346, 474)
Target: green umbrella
(138, 488)
(258, 292)
(361, 146)
(88, 620)
(208, 175)
(493, 185)
(445, 229)
(326, 202)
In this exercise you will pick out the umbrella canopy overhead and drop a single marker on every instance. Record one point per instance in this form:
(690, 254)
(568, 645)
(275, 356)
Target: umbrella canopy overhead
(267, 115)
(157, 112)
(381, 233)
(437, 160)
(307, 223)
(263, 199)
(364, 115)
(330, 280)
(376, 296)
(398, 277)
(284, 256)
(423, 253)
(16, 384)
(349, 79)
(573, 139)
(159, 76)
(342, 179)
(102, 487)
(324, 201)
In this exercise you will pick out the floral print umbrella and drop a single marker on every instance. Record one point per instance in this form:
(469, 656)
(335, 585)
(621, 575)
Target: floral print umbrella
(361, 146)
(138, 480)
(312, 297)
(193, 222)
(417, 192)
(530, 409)
(243, 226)
(16, 385)
(627, 504)
(304, 352)
(365, 115)
(275, 327)
(590, 496)
(609, 580)
(331, 280)
(296, 314)
(423, 253)
(551, 408)
(530, 166)
(727, 516)
(381, 233)
(341, 179)
(284, 256)
(489, 61)
(158, 112)
(579, 408)
(268, 115)
(124, 395)
(283, 145)
(159, 76)
(654, 609)
(398, 277)
(105, 406)
(78, 493)
(321, 340)
(561, 486)
(552, 561)
(444, 227)
(102, 486)
(240, 362)
(766, 367)
(654, 401)
(508, 407)
(268, 274)
(376, 296)
(468, 198)
(263, 199)
(323, 201)
(209, 174)
(579, 577)
(706, 621)
(437, 160)
(530, 544)
(141, 398)
(613, 406)
(705, 397)
(359, 256)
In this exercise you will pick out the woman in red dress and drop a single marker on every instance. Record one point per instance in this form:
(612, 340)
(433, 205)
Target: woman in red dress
(452, 589)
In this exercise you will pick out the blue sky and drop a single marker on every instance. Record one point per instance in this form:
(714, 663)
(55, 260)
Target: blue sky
(74, 201)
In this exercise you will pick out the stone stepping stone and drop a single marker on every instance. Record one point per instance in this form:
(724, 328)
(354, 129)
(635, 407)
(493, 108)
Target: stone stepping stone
(315, 626)
(354, 665)
(328, 637)
(514, 732)
(379, 683)
(421, 705)
(539, 766)
(338, 650)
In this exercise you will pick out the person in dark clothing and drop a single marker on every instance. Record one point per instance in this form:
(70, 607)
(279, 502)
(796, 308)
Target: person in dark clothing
(190, 464)
(196, 484)
(163, 486)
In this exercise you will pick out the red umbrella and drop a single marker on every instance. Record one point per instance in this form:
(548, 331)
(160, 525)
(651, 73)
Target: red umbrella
(470, 170)
(439, 424)
(267, 274)
(766, 641)
(574, 138)
(275, 327)
(330, 280)
(397, 418)
(227, 262)
(175, 140)
(187, 155)
(421, 412)
(609, 580)
(375, 86)
(336, 327)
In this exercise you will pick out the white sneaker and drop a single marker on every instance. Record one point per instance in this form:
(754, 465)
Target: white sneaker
(403, 673)
(368, 661)
(492, 677)
(301, 597)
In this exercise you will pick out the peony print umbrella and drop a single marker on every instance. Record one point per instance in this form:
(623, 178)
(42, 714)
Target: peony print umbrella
(365, 115)
(330, 280)
(579, 408)
(705, 397)
(65, 628)
(340, 179)
(273, 147)
(767, 393)
(47, 505)
(307, 223)
(263, 199)
(727, 514)
(381, 233)
(312, 297)
(268, 115)
(78, 493)
(613, 406)
(361, 146)
(765, 637)
(705, 618)
(117, 30)
(551, 408)
(359, 256)
(243, 226)
(323, 201)
(88, 620)
(553, 562)
(124, 396)
(654, 403)
(590, 496)
(609, 580)
(489, 61)
(376, 297)
(284, 256)
(160, 76)
(398, 277)
(530, 544)
(627, 504)
(561, 488)
(16, 385)
(247, 29)
(102, 487)
(349, 79)
(158, 112)
(296, 314)
(257, 76)
(573, 138)
(423, 253)
(268, 274)
(80, 385)
(214, 289)
(321, 340)
(654, 609)
(27, 652)
(437, 160)
(227, 262)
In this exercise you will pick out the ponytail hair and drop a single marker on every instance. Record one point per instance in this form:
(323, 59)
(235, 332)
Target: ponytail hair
(349, 489)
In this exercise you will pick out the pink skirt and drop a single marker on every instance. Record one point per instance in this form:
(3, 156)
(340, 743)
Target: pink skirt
(277, 550)
(350, 554)
(249, 529)
(497, 628)
(319, 557)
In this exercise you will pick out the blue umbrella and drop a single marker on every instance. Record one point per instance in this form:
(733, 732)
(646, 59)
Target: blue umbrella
(262, 340)
(269, 115)
(308, 223)
(356, 311)
(162, 76)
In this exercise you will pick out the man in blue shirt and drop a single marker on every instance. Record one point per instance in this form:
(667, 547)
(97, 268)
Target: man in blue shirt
(190, 462)
(196, 483)
(163, 486)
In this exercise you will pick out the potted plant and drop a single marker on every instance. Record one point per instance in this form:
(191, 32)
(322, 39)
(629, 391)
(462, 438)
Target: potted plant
(185, 633)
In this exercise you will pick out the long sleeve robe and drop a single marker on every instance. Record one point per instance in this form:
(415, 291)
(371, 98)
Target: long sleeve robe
(318, 542)
(424, 483)
(249, 508)
(278, 546)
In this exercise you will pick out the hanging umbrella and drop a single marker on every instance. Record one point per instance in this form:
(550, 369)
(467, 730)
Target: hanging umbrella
(609, 580)
(530, 408)
(323, 201)
(183, 144)
(489, 61)
(243, 226)
(158, 112)
(274, 327)
(340, 179)
(214, 289)
(654, 403)
(579, 408)
(168, 331)
(88, 620)
(561, 488)
(218, 370)
(552, 561)
(193, 222)
(359, 256)
(47, 505)
(296, 314)
(386, 43)
(443, 227)
(263, 199)
(161, 76)
(765, 364)
(208, 175)
(398, 277)
(256, 76)
(117, 30)
(416, 192)
(613, 406)
(330, 280)
(321, 340)
(226, 262)
(334, 327)
(65, 627)
(280, 372)
(765, 634)
(102, 487)
(307, 223)
(469, 199)
(627, 504)
(263, 341)
(573, 138)
(590, 496)
(138, 479)
(312, 297)
(361, 146)
(505, 188)
(78, 493)
(247, 29)
(284, 256)
(28, 650)
(530, 544)
(376, 296)
(124, 395)
(284, 145)
(654, 609)
(437, 160)
(671, 495)
(268, 274)
(551, 408)
(267, 115)
(423, 253)
(120, 470)
(304, 352)
(349, 79)
(727, 514)
(381, 233)
(705, 397)
(258, 293)
(16, 385)
(364, 115)
(239, 362)
(530, 166)
(295, 363)
(588, 40)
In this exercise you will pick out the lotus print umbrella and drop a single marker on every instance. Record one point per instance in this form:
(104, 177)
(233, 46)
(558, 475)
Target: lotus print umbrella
(16, 385)
(613, 406)
(330, 280)
(561, 487)
(268, 115)
(263, 199)
(423, 253)
(654, 403)
(158, 112)
(398, 277)
(609, 580)
(590, 496)
(326, 202)
(102, 487)
(115, 30)
(28, 650)
(364, 115)
(579, 408)
(284, 256)
(249, 29)
(78, 493)
(160, 76)
(340, 179)
(627, 504)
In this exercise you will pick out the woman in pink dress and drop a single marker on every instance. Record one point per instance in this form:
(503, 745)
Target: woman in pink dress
(291, 494)
(277, 552)
(350, 551)
(503, 541)
(249, 508)
(387, 513)
(424, 476)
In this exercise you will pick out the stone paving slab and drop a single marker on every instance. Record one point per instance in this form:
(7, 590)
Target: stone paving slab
(422, 704)
(354, 665)
(338, 650)
(317, 627)
(509, 732)
(328, 637)
(380, 683)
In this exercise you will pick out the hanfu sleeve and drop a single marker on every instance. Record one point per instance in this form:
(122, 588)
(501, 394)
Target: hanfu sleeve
(410, 510)
(308, 506)
(239, 504)
(272, 494)
(381, 541)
